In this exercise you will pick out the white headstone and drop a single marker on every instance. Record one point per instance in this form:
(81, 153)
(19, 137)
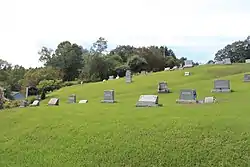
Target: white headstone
(209, 100)
(35, 103)
(187, 73)
(147, 101)
(111, 77)
(247, 60)
(167, 69)
(53, 102)
(83, 101)
(227, 61)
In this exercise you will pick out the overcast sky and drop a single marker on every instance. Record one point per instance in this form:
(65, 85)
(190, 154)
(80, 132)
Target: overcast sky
(192, 28)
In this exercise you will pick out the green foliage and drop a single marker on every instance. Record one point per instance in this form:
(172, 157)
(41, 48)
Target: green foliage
(11, 104)
(238, 52)
(67, 58)
(137, 63)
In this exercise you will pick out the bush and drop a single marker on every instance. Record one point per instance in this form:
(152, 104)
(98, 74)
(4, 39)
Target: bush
(11, 104)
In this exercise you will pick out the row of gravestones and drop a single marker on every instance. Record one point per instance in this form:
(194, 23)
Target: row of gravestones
(186, 95)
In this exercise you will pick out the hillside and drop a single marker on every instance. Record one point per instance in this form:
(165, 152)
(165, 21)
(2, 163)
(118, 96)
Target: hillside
(120, 134)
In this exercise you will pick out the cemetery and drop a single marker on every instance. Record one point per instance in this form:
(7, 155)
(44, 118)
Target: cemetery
(147, 120)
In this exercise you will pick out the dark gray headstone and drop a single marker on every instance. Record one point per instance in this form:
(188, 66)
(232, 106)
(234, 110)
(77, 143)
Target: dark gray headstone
(54, 102)
(128, 76)
(246, 77)
(109, 96)
(163, 87)
(221, 86)
(187, 96)
(72, 98)
(148, 101)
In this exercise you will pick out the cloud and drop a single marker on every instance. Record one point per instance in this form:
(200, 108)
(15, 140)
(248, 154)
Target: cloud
(184, 24)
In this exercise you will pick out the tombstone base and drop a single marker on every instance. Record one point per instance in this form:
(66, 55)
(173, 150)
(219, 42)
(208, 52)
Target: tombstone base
(246, 80)
(164, 91)
(186, 101)
(108, 101)
(221, 90)
(143, 104)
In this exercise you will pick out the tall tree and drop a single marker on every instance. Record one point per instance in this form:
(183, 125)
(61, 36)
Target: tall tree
(99, 46)
(67, 57)
(238, 51)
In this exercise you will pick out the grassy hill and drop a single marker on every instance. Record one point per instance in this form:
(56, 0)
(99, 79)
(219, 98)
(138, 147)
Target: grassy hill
(97, 134)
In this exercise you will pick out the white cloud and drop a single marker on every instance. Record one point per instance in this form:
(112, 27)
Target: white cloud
(29, 24)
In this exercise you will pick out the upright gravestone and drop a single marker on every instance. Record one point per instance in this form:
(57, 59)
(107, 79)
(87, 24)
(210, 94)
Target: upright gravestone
(72, 99)
(23, 103)
(128, 76)
(109, 96)
(247, 60)
(143, 73)
(188, 63)
(187, 96)
(148, 101)
(246, 78)
(111, 77)
(163, 87)
(54, 102)
(27, 92)
(221, 86)
(227, 61)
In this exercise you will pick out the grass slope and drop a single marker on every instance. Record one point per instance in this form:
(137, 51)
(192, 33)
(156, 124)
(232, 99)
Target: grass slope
(120, 134)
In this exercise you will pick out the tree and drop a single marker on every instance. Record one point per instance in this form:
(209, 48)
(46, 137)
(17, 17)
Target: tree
(99, 46)
(67, 58)
(137, 63)
(237, 51)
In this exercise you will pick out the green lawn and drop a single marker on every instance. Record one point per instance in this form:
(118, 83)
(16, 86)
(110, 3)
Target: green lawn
(97, 134)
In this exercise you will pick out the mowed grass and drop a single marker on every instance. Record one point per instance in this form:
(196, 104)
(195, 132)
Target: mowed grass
(97, 134)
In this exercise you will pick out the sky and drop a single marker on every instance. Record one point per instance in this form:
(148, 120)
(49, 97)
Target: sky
(195, 29)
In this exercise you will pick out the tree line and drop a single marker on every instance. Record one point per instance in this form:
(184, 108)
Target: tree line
(70, 63)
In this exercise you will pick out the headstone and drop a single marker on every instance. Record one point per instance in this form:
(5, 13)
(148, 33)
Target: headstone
(27, 92)
(148, 101)
(187, 96)
(54, 102)
(188, 63)
(163, 87)
(23, 103)
(209, 100)
(83, 101)
(246, 77)
(187, 73)
(227, 61)
(35, 103)
(109, 96)
(128, 76)
(219, 62)
(143, 73)
(117, 77)
(111, 77)
(247, 60)
(175, 67)
(72, 98)
(221, 86)
(167, 69)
